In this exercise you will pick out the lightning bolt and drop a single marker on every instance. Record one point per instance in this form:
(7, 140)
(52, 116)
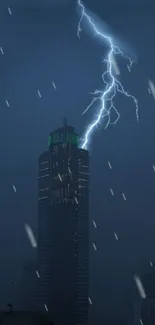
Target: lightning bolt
(112, 87)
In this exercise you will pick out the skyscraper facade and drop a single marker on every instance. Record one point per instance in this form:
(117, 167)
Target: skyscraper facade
(63, 228)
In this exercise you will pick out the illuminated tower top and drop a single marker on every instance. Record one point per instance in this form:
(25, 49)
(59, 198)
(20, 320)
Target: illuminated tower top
(63, 135)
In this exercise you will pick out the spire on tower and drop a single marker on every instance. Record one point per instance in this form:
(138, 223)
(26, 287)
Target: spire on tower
(65, 121)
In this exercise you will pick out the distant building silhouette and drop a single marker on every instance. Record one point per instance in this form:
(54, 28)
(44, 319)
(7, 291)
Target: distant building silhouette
(28, 286)
(63, 213)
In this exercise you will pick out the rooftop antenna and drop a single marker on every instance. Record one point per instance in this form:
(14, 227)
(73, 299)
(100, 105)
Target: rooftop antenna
(65, 121)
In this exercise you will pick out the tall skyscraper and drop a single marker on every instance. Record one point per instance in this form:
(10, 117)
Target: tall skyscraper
(63, 230)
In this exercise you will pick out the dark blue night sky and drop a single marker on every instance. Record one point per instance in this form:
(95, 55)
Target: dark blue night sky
(40, 45)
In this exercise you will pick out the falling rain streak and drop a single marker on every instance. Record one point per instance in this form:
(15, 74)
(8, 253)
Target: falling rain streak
(7, 103)
(76, 200)
(90, 301)
(46, 307)
(94, 223)
(54, 86)
(151, 264)
(140, 287)
(112, 192)
(69, 170)
(30, 236)
(141, 323)
(39, 93)
(116, 237)
(128, 68)
(109, 164)
(95, 248)
(1, 50)
(124, 197)
(60, 177)
(152, 88)
(154, 168)
(38, 275)
(9, 10)
(115, 66)
(14, 188)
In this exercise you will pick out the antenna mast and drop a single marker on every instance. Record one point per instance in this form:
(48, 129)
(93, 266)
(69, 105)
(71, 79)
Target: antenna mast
(65, 121)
